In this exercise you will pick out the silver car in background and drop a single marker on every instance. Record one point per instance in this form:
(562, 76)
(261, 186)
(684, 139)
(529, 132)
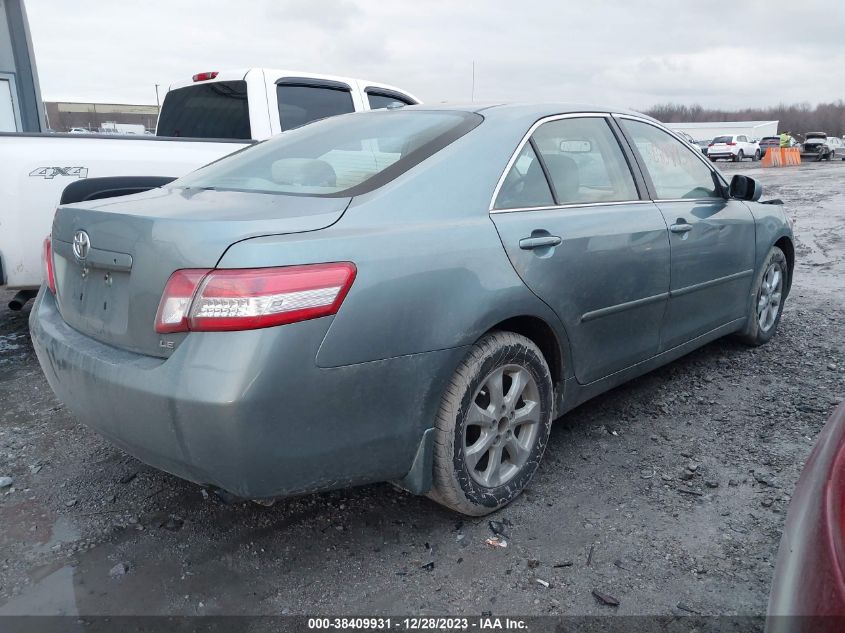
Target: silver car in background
(409, 295)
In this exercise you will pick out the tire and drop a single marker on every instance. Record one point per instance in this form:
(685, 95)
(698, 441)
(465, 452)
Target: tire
(468, 481)
(739, 157)
(760, 330)
(756, 156)
(831, 155)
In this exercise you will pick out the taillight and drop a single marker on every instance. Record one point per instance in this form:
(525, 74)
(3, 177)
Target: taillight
(205, 76)
(48, 273)
(730, 143)
(250, 298)
(172, 315)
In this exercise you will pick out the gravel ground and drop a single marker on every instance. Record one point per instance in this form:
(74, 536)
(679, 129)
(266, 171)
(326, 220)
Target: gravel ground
(668, 493)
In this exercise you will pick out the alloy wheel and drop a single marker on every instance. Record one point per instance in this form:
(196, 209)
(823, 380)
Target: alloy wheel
(769, 299)
(501, 425)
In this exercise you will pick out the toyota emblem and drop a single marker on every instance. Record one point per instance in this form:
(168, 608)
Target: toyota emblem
(81, 245)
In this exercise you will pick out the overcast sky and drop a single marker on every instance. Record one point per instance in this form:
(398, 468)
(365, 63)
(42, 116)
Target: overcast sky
(627, 53)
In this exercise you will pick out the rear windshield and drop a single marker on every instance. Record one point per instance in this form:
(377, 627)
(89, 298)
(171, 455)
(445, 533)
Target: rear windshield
(210, 110)
(340, 156)
(723, 139)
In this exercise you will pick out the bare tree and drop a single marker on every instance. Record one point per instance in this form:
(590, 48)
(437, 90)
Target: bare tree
(798, 118)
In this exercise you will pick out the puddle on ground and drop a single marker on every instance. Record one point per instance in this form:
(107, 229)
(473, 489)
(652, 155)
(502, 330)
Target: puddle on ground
(8, 342)
(64, 531)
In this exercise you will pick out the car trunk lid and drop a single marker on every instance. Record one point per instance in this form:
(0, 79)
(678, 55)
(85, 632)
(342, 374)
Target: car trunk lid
(110, 282)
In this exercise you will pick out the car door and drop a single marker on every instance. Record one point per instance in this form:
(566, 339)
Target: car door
(573, 219)
(712, 238)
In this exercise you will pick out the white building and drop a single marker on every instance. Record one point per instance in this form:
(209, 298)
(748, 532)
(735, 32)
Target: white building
(707, 131)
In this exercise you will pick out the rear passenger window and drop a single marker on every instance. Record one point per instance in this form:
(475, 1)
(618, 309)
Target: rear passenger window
(301, 104)
(584, 161)
(676, 171)
(525, 185)
(379, 101)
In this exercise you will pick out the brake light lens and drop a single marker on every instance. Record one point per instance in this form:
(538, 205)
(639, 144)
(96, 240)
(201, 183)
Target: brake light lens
(251, 298)
(205, 76)
(175, 304)
(48, 273)
(731, 143)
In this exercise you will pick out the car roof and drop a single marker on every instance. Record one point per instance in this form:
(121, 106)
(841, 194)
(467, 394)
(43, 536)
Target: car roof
(528, 111)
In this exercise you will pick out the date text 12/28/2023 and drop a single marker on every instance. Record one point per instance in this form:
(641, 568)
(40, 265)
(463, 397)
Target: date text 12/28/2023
(423, 623)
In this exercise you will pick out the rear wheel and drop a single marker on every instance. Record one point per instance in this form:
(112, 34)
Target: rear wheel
(756, 156)
(740, 156)
(769, 294)
(493, 425)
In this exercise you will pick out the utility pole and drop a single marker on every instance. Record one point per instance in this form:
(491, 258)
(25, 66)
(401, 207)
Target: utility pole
(158, 105)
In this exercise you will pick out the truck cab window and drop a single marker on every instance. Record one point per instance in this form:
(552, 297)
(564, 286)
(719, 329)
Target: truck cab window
(379, 101)
(299, 104)
(211, 110)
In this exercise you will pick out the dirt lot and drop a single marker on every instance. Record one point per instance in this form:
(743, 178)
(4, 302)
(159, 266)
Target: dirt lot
(88, 530)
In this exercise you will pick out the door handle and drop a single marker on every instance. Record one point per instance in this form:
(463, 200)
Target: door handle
(681, 227)
(528, 243)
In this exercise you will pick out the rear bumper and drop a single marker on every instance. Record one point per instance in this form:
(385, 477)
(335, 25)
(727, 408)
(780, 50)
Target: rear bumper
(717, 155)
(249, 412)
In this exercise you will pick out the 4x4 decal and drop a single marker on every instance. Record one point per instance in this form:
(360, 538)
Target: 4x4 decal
(52, 172)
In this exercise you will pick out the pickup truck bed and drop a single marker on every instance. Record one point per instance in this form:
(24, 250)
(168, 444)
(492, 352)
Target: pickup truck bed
(38, 167)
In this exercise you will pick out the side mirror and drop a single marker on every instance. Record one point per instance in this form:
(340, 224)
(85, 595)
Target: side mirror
(745, 188)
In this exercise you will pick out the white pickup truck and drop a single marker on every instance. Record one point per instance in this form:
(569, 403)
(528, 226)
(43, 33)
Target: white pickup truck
(201, 120)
